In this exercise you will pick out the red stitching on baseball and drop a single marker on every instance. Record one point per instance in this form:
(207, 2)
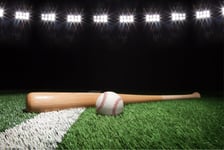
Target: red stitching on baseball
(115, 106)
(103, 101)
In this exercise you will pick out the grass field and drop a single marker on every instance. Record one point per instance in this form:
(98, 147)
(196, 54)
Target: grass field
(190, 124)
(174, 124)
(11, 110)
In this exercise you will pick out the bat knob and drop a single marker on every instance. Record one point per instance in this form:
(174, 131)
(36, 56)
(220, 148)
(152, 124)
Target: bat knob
(197, 94)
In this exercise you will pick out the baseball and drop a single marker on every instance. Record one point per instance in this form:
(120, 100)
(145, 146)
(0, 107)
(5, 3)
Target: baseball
(109, 103)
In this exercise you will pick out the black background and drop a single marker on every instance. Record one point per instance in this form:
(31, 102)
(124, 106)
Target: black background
(167, 57)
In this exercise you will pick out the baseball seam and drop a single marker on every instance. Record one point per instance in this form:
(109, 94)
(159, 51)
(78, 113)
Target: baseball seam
(102, 102)
(115, 106)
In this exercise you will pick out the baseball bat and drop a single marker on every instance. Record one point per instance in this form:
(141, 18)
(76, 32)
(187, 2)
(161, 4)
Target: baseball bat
(50, 101)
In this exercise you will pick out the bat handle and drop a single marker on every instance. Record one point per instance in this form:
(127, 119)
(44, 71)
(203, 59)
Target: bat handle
(145, 98)
(186, 96)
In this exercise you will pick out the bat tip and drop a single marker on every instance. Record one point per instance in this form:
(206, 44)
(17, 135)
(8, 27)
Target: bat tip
(29, 101)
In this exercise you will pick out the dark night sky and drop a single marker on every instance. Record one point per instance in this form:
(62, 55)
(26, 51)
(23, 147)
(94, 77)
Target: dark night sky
(139, 57)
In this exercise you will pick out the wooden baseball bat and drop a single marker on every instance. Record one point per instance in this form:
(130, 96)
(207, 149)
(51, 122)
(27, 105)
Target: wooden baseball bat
(50, 101)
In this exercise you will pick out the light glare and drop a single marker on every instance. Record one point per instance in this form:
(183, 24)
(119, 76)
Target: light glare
(205, 14)
(178, 16)
(20, 15)
(223, 11)
(74, 18)
(100, 18)
(126, 19)
(49, 17)
(1, 12)
(152, 18)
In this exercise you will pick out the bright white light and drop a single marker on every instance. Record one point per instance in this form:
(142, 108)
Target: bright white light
(152, 18)
(203, 14)
(74, 18)
(223, 11)
(178, 16)
(49, 17)
(100, 18)
(1, 12)
(126, 19)
(20, 15)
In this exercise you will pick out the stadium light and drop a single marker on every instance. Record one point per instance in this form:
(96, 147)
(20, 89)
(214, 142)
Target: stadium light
(152, 18)
(74, 18)
(223, 11)
(126, 19)
(49, 17)
(100, 18)
(20, 15)
(1, 12)
(204, 14)
(178, 16)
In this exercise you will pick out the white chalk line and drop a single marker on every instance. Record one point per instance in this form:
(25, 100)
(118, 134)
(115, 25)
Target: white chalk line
(43, 131)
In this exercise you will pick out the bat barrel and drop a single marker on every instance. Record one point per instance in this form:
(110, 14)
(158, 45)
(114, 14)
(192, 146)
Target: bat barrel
(49, 101)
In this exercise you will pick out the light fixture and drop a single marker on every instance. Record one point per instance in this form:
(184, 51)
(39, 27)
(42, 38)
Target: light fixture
(74, 18)
(178, 16)
(126, 19)
(48, 17)
(152, 18)
(22, 15)
(1, 12)
(100, 18)
(204, 14)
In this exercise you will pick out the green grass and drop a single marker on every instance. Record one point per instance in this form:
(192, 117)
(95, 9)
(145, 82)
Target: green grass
(11, 110)
(191, 124)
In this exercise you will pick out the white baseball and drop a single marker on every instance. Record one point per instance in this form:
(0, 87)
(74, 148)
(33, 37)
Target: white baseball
(109, 103)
